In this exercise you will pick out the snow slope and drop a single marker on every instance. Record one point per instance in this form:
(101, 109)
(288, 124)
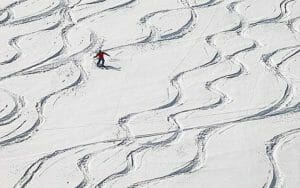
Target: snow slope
(200, 93)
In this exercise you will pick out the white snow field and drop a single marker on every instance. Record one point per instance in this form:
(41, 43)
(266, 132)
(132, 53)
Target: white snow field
(199, 93)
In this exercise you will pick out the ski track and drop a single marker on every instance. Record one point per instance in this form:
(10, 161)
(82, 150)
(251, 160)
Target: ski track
(276, 177)
(176, 129)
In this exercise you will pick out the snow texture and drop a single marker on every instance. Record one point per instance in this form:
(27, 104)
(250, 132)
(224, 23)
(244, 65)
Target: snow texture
(197, 93)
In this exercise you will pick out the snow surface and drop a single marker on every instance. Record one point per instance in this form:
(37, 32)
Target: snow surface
(200, 93)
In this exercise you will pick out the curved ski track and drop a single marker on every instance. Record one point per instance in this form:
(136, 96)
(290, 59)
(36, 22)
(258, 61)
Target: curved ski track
(176, 129)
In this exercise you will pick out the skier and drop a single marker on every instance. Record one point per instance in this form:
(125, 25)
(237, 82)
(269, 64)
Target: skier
(100, 56)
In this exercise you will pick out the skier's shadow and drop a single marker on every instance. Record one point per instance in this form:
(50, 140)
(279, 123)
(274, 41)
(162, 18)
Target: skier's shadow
(108, 67)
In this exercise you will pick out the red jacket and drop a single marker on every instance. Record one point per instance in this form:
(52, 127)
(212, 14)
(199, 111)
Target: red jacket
(100, 55)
